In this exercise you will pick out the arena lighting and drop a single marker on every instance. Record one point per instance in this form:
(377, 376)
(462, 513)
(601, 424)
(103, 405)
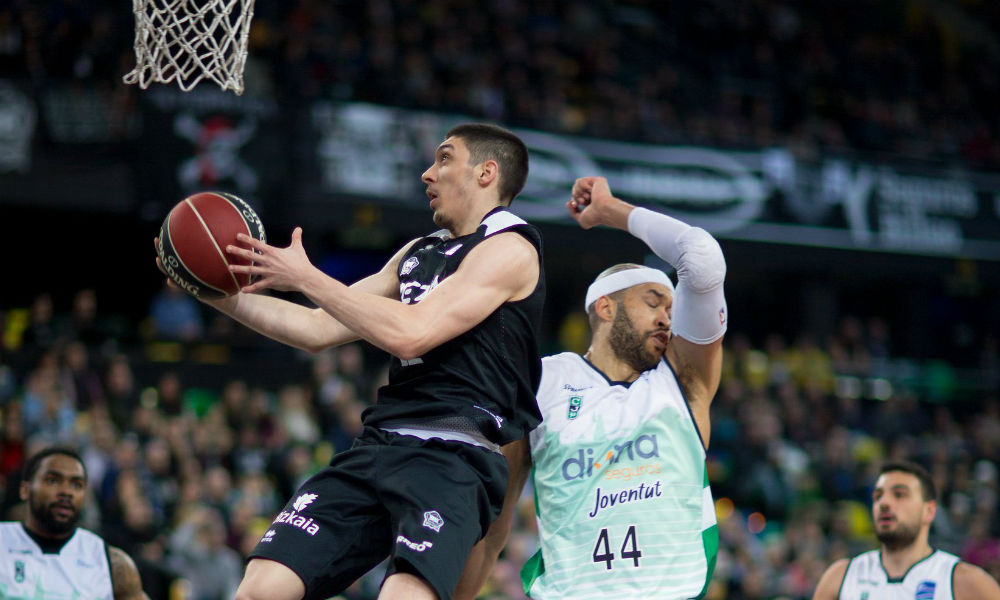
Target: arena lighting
(723, 509)
(756, 523)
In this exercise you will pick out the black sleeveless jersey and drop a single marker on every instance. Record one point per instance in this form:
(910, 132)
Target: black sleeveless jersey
(483, 380)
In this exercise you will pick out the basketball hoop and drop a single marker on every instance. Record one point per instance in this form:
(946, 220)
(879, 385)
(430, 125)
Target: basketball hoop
(185, 41)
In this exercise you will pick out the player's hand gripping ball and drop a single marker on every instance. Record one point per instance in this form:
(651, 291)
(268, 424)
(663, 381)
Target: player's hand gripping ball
(193, 240)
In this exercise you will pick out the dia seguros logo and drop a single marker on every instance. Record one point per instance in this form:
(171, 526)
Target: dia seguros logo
(586, 462)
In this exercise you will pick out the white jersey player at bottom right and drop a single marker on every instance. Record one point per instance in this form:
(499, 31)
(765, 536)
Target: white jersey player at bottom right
(905, 567)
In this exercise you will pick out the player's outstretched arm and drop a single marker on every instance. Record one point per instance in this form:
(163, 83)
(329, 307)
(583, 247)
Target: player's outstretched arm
(125, 576)
(699, 313)
(310, 329)
(971, 582)
(484, 555)
(480, 285)
(829, 584)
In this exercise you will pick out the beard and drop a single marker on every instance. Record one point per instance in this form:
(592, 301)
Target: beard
(628, 344)
(52, 524)
(902, 536)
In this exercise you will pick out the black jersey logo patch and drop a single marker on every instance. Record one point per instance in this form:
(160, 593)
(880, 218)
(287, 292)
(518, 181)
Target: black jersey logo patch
(433, 520)
(408, 265)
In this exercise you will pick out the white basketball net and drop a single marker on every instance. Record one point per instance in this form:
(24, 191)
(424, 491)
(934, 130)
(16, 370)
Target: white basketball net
(190, 40)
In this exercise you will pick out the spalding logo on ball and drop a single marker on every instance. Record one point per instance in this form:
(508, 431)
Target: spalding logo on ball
(193, 240)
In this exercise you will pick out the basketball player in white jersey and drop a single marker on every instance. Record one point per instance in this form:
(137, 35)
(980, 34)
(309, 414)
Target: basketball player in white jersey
(48, 556)
(906, 567)
(623, 504)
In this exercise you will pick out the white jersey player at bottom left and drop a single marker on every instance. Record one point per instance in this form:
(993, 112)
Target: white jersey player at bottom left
(80, 569)
(47, 557)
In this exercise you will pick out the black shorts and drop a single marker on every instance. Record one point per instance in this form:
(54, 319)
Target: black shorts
(423, 503)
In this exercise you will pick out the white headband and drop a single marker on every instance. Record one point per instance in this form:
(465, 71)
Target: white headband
(624, 279)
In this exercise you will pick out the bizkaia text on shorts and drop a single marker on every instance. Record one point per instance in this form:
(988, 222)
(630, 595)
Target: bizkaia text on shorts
(296, 520)
(290, 517)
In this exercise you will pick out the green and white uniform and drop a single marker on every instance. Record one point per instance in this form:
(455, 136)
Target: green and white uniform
(80, 570)
(621, 491)
(928, 579)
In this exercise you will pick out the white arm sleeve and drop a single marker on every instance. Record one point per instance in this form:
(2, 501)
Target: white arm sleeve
(699, 313)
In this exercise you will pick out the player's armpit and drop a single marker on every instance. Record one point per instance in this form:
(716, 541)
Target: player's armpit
(829, 584)
(699, 366)
(699, 370)
(125, 576)
(971, 582)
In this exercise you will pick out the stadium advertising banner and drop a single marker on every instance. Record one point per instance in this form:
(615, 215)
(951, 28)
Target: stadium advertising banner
(54, 134)
(766, 195)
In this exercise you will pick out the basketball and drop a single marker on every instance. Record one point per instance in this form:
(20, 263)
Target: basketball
(193, 240)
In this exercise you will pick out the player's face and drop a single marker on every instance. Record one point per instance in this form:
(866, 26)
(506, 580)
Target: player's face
(450, 180)
(55, 494)
(640, 331)
(899, 509)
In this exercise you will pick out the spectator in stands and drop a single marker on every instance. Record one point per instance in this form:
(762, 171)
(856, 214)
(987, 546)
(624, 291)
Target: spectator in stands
(121, 391)
(198, 550)
(175, 315)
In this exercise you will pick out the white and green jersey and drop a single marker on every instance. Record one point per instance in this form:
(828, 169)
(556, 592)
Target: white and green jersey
(621, 491)
(79, 571)
(928, 579)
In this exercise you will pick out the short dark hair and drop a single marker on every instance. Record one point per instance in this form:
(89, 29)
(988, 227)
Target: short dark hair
(927, 487)
(490, 142)
(34, 463)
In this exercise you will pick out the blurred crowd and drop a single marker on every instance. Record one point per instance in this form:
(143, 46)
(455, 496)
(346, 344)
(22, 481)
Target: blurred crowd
(187, 471)
(906, 77)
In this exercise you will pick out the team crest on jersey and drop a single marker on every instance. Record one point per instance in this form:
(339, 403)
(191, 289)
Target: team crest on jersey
(574, 406)
(925, 590)
(410, 264)
(864, 596)
(19, 571)
(433, 520)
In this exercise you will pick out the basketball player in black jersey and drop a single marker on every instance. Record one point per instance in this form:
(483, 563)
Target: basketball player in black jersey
(459, 311)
